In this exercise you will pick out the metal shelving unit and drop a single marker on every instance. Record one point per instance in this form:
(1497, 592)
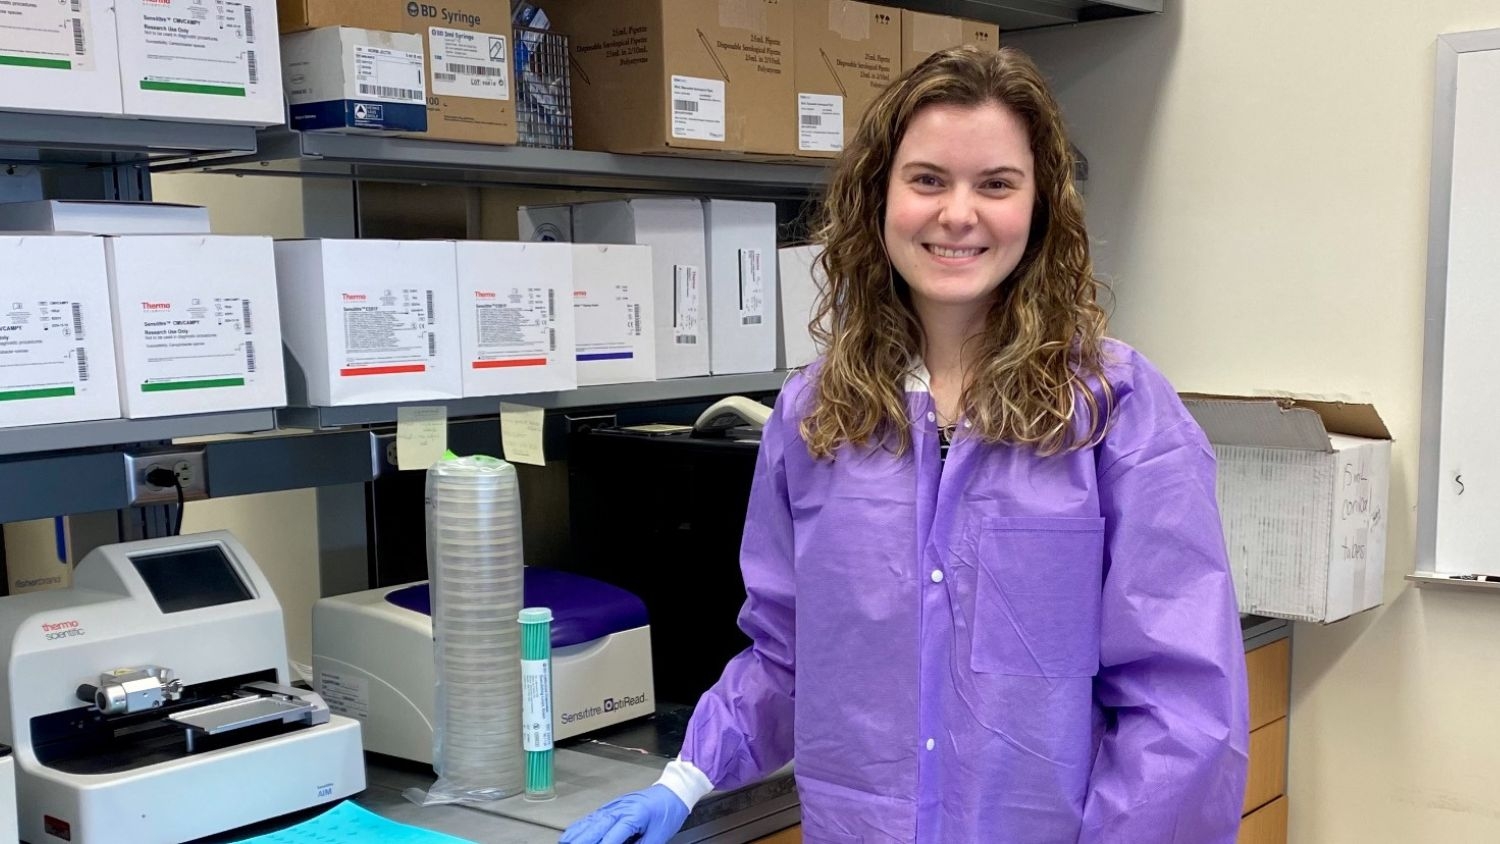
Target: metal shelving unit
(607, 395)
(1014, 15)
(48, 139)
(110, 432)
(282, 152)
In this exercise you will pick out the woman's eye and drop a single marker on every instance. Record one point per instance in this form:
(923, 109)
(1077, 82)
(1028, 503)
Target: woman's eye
(927, 180)
(997, 185)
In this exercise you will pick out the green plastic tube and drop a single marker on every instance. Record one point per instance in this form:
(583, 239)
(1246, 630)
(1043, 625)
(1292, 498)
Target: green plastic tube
(536, 701)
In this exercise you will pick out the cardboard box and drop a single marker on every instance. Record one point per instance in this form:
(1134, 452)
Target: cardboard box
(37, 555)
(516, 317)
(470, 92)
(545, 223)
(371, 321)
(800, 282)
(662, 75)
(103, 217)
(923, 34)
(1302, 488)
(355, 80)
(847, 53)
(191, 60)
(196, 323)
(60, 57)
(613, 314)
(57, 346)
(673, 228)
(741, 248)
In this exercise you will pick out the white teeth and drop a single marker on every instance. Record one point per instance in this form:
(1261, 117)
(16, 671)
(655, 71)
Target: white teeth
(943, 252)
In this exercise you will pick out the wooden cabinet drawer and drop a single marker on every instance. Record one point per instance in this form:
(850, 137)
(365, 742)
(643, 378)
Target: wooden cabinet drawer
(1270, 672)
(1267, 780)
(1266, 825)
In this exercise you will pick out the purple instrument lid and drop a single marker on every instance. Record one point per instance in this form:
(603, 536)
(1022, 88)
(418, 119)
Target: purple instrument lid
(583, 609)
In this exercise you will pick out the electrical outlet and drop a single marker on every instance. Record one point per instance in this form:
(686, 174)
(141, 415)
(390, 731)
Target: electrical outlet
(186, 463)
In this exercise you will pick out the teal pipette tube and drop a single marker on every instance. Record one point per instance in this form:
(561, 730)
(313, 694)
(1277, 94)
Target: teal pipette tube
(536, 701)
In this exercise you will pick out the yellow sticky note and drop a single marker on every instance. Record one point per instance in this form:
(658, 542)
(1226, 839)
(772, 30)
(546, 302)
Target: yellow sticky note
(421, 436)
(521, 434)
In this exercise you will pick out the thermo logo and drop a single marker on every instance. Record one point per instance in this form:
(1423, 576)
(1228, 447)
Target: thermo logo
(484, 294)
(355, 297)
(156, 306)
(62, 629)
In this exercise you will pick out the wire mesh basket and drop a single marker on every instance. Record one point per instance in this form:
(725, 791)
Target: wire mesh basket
(544, 92)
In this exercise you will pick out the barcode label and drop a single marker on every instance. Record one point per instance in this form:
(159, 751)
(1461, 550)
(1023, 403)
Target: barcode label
(249, 355)
(77, 321)
(685, 105)
(552, 339)
(429, 307)
(391, 92)
(249, 24)
(474, 69)
(445, 77)
(77, 6)
(253, 66)
(432, 344)
(636, 313)
(245, 317)
(750, 320)
(686, 340)
(812, 120)
(79, 47)
(551, 304)
(83, 363)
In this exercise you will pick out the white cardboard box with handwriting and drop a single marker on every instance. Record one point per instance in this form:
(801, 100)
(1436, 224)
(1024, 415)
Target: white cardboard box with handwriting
(1303, 487)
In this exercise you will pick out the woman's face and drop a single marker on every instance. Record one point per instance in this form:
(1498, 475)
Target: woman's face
(958, 205)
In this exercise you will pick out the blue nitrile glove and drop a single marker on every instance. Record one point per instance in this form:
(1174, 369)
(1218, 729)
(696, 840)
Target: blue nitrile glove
(655, 814)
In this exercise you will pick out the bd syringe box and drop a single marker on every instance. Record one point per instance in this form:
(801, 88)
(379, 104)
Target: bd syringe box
(516, 317)
(216, 62)
(613, 314)
(363, 81)
(196, 323)
(57, 348)
(371, 321)
(60, 57)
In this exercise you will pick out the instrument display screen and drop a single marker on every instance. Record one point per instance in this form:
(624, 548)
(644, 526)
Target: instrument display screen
(191, 578)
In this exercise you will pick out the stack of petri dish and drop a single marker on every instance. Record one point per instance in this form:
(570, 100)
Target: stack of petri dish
(474, 561)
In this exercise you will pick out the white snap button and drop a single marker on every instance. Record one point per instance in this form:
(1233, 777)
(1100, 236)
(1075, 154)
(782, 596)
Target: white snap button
(937, 575)
(931, 744)
(931, 417)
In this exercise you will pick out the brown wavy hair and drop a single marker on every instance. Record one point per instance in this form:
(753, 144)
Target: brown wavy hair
(1041, 344)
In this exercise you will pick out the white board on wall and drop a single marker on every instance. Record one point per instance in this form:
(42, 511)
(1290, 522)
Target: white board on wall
(1459, 500)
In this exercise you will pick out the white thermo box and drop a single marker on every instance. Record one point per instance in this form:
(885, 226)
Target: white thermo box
(741, 248)
(371, 321)
(613, 314)
(673, 228)
(57, 348)
(515, 304)
(59, 56)
(211, 62)
(196, 323)
(102, 216)
(800, 281)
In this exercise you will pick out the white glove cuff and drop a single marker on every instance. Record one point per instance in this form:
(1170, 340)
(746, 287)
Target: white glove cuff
(686, 781)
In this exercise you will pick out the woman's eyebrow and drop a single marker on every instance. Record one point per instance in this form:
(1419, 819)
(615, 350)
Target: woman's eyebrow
(1002, 170)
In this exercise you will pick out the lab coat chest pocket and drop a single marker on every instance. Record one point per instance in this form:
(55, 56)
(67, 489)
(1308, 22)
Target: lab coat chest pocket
(1038, 588)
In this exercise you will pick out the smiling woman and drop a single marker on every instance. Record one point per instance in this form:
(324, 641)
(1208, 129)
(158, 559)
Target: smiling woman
(985, 577)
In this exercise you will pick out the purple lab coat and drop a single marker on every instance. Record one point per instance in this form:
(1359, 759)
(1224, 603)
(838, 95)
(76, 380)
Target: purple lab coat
(1006, 648)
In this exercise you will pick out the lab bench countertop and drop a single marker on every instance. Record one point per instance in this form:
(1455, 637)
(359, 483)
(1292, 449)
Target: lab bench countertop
(593, 771)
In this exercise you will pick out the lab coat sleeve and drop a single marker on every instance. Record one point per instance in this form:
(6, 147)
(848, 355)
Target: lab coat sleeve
(741, 729)
(1172, 762)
